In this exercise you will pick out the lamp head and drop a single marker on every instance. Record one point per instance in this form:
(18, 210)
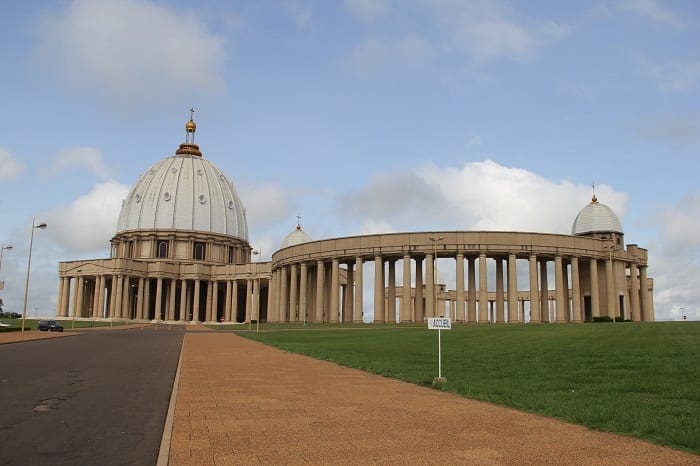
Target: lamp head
(8, 247)
(42, 225)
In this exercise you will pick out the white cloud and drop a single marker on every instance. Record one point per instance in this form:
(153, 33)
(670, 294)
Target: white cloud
(487, 31)
(301, 11)
(87, 157)
(477, 196)
(375, 55)
(10, 168)
(675, 130)
(89, 222)
(675, 260)
(676, 76)
(131, 50)
(368, 10)
(653, 10)
(266, 206)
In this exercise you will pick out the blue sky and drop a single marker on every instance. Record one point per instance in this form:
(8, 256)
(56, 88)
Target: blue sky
(365, 116)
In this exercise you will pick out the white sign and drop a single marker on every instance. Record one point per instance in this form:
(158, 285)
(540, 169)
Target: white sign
(439, 323)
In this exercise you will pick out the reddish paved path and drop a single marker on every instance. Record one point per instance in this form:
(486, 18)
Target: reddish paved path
(241, 402)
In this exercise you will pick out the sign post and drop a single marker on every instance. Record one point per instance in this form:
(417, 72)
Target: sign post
(439, 324)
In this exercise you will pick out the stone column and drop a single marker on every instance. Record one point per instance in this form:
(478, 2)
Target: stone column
(172, 283)
(293, 293)
(418, 306)
(117, 290)
(126, 300)
(215, 302)
(390, 311)
(610, 286)
(227, 302)
(483, 290)
(513, 289)
(575, 290)
(349, 293)
(182, 307)
(405, 308)
(249, 300)
(358, 306)
(65, 299)
(256, 300)
(112, 305)
(459, 288)
(139, 300)
(234, 301)
(500, 304)
(544, 292)
(334, 312)
(78, 308)
(647, 304)
(320, 289)
(195, 301)
(270, 299)
(471, 290)
(284, 310)
(429, 285)
(59, 300)
(303, 292)
(595, 294)
(378, 289)
(534, 292)
(98, 303)
(634, 293)
(159, 298)
(146, 298)
(559, 290)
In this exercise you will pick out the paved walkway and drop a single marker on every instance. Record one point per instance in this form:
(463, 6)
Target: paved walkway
(241, 402)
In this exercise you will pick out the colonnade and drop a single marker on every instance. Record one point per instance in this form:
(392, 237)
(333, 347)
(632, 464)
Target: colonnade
(332, 290)
(162, 298)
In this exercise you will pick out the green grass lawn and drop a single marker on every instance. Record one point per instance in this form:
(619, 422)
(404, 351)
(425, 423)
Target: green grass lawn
(637, 379)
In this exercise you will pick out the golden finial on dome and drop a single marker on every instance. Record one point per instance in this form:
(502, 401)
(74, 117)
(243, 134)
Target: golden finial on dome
(189, 147)
(298, 221)
(594, 200)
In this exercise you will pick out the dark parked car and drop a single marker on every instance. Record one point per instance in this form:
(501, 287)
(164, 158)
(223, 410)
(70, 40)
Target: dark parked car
(49, 325)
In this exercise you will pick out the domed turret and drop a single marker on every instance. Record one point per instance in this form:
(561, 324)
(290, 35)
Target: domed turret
(596, 218)
(296, 236)
(184, 192)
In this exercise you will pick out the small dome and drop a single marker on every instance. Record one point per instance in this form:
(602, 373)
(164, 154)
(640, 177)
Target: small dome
(596, 218)
(297, 236)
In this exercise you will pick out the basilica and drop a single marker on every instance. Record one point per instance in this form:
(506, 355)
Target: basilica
(181, 254)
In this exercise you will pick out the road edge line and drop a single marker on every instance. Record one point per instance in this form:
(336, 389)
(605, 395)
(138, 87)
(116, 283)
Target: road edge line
(164, 450)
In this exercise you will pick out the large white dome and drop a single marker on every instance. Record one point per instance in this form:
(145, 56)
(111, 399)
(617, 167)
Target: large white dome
(184, 192)
(596, 218)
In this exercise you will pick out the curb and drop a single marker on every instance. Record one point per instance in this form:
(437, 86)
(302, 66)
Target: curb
(164, 450)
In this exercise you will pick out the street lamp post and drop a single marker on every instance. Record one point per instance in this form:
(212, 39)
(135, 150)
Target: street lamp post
(41, 226)
(435, 291)
(258, 253)
(682, 313)
(4, 247)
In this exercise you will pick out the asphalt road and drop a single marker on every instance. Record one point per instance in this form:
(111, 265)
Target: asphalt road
(96, 398)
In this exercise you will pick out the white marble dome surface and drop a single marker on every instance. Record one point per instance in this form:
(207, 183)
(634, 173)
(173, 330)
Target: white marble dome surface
(596, 218)
(296, 236)
(184, 192)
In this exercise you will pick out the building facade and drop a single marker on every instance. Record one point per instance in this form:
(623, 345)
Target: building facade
(181, 254)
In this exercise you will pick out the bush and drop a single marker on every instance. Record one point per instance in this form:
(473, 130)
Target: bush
(602, 319)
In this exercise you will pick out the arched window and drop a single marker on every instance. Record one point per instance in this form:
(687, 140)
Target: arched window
(163, 249)
(199, 251)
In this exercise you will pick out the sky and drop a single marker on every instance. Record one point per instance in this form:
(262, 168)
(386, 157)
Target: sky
(362, 116)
